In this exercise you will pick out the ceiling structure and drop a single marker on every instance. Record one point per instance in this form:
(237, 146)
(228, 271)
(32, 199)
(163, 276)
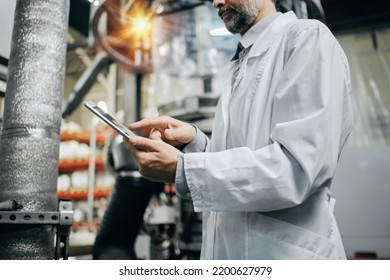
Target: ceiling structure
(347, 16)
(343, 16)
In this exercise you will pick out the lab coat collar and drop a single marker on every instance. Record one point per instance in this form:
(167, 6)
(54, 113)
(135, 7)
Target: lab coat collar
(249, 38)
(251, 35)
(272, 27)
(262, 44)
(270, 33)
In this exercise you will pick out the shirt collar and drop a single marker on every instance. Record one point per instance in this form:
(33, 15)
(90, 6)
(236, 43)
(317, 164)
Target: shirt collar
(253, 33)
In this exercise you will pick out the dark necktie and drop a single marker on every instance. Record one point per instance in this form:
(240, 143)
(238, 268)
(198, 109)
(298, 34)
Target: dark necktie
(240, 47)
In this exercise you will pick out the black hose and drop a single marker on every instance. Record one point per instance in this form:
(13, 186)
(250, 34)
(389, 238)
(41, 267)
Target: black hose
(123, 218)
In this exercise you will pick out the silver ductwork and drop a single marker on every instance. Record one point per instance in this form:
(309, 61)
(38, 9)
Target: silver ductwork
(29, 143)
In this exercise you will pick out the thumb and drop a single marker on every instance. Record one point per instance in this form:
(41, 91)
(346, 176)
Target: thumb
(145, 144)
(155, 134)
(170, 134)
(182, 135)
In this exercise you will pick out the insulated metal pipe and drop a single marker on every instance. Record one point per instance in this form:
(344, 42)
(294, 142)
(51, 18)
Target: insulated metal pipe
(29, 143)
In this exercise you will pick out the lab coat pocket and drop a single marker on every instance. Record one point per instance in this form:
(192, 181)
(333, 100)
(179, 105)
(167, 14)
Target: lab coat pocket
(288, 241)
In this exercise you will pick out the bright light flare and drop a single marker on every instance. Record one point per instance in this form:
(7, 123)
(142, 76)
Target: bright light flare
(140, 26)
(138, 23)
(131, 31)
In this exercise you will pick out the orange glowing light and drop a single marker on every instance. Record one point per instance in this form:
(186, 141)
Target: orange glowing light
(139, 22)
(142, 24)
(129, 33)
(140, 27)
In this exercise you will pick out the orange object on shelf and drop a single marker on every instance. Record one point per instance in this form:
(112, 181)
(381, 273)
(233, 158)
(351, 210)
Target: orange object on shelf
(83, 194)
(82, 136)
(84, 225)
(65, 166)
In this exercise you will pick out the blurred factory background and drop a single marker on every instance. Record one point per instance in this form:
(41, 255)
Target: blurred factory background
(172, 69)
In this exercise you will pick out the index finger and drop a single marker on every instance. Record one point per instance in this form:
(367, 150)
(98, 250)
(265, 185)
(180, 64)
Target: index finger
(144, 144)
(149, 124)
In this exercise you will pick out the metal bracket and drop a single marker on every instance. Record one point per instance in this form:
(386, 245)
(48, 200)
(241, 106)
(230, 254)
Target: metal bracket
(62, 219)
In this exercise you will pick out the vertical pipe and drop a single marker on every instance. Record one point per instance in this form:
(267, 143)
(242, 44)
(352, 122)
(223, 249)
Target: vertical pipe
(138, 93)
(29, 144)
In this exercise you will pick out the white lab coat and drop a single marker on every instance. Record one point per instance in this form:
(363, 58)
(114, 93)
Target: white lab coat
(266, 195)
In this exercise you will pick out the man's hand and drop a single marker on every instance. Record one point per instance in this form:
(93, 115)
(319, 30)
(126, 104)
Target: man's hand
(156, 159)
(167, 129)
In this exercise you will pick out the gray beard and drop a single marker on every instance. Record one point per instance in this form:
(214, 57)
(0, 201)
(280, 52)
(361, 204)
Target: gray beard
(241, 21)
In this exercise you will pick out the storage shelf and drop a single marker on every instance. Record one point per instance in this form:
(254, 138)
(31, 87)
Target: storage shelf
(83, 194)
(82, 136)
(84, 231)
(85, 226)
(67, 166)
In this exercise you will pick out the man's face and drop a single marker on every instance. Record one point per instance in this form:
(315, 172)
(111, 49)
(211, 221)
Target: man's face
(238, 15)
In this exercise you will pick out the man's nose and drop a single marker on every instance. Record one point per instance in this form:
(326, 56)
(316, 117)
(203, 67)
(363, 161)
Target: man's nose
(218, 3)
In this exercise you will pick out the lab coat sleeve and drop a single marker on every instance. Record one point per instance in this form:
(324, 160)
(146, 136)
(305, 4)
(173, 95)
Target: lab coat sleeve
(311, 120)
(198, 144)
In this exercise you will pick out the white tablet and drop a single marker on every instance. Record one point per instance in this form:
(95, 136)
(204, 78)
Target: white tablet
(107, 118)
